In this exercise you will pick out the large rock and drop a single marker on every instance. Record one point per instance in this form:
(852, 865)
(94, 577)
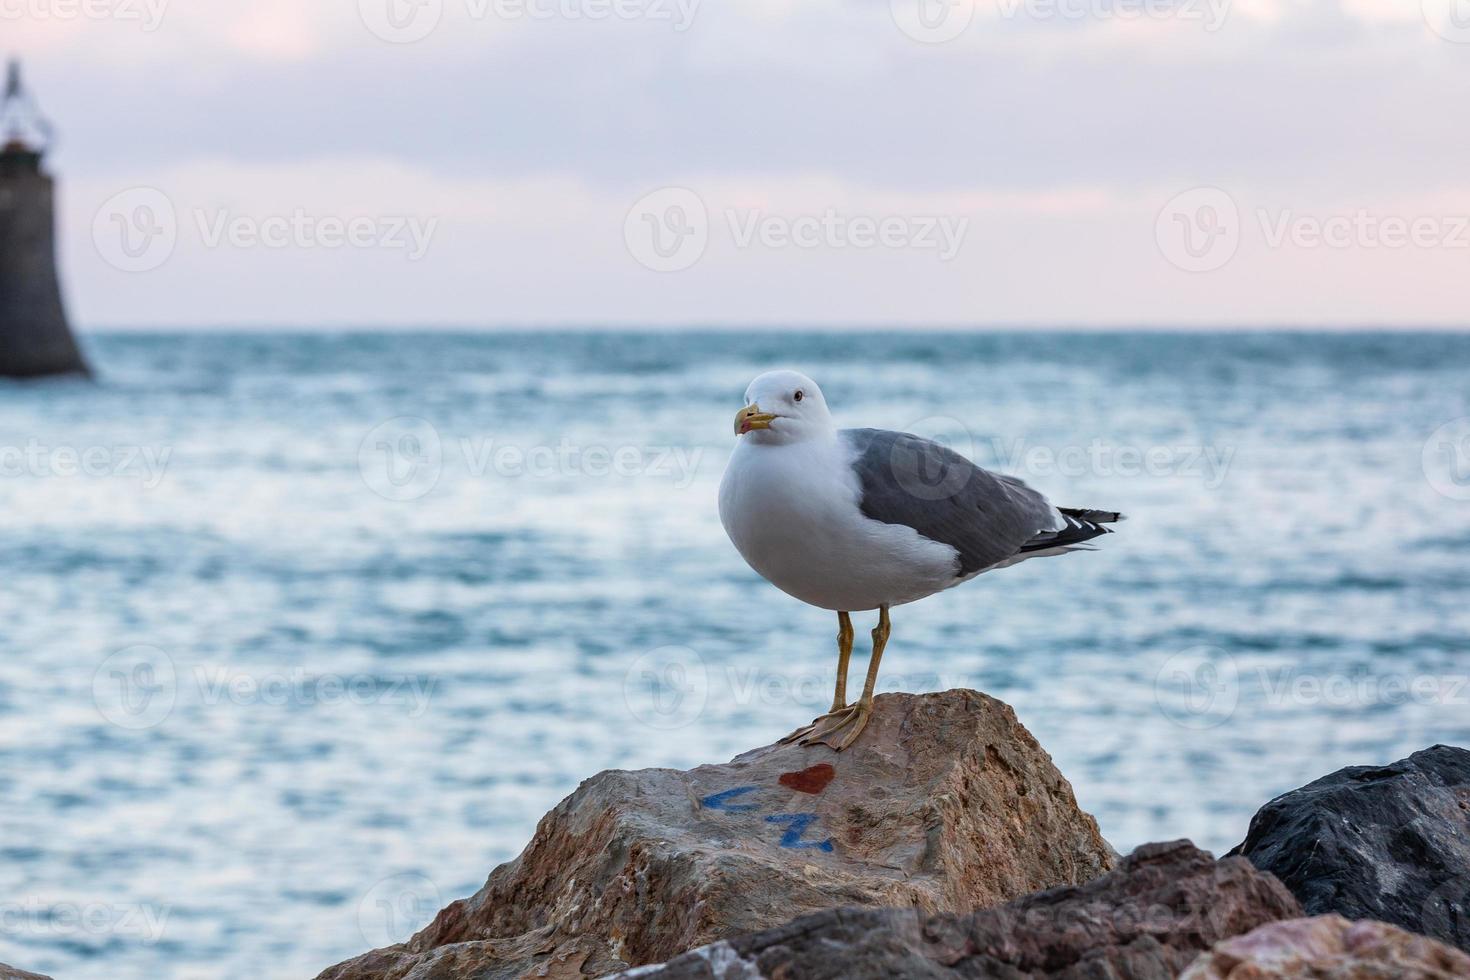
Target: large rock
(1329, 947)
(11, 973)
(1149, 919)
(946, 803)
(1377, 842)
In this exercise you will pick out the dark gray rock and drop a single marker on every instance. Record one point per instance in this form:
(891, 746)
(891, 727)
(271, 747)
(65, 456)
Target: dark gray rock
(1164, 906)
(1377, 842)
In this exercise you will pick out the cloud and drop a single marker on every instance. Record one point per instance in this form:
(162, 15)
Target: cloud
(275, 245)
(528, 128)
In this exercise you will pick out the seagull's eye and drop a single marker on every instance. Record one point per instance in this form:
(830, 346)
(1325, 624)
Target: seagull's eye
(798, 396)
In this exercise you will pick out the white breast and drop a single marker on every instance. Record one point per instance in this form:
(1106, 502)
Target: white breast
(792, 512)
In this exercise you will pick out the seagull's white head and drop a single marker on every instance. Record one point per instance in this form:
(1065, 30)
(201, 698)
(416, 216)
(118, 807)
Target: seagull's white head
(783, 406)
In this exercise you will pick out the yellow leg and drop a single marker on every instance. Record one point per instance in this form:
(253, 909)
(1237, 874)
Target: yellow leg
(844, 653)
(839, 696)
(857, 716)
(880, 640)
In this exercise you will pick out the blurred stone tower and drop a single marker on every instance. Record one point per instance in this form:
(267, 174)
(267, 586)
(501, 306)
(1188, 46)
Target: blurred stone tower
(34, 337)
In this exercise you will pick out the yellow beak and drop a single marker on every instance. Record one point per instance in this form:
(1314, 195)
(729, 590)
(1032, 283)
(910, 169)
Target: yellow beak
(751, 417)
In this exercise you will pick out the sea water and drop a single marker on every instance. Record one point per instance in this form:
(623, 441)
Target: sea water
(301, 634)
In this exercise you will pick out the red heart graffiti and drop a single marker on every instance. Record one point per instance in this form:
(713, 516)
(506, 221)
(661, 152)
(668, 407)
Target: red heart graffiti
(812, 779)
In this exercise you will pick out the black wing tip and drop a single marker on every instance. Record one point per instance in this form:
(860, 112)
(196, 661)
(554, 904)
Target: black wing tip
(1082, 526)
(1094, 516)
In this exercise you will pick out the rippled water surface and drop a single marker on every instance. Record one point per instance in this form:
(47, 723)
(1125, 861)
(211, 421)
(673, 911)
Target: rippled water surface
(302, 634)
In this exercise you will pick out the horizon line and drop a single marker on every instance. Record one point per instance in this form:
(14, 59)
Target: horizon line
(766, 328)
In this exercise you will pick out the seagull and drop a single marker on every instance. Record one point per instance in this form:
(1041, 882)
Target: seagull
(859, 519)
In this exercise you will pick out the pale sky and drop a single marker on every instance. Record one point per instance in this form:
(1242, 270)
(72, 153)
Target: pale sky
(808, 162)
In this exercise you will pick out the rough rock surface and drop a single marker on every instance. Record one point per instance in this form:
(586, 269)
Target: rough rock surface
(1329, 947)
(1149, 919)
(1377, 842)
(11, 973)
(946, 803)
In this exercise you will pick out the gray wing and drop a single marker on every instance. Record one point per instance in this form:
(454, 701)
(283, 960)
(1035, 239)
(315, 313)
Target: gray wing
(985, 516)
